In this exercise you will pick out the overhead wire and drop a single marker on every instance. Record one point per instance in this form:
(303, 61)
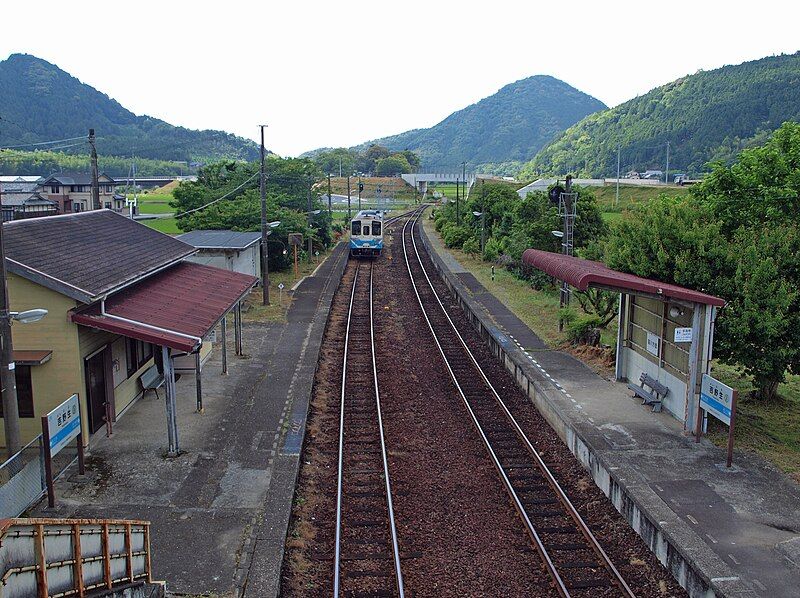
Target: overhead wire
(211, 203)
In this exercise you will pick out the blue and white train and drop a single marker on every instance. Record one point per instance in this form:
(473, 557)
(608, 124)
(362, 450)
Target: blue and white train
(366, 233)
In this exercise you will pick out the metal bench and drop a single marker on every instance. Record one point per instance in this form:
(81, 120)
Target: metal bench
(152, 380)
(654, 396)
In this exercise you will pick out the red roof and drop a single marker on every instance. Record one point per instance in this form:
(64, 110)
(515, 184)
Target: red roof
(582, 274)
(174, 308)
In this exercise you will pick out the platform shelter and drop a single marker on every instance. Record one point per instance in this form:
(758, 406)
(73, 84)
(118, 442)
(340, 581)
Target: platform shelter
(666, 332)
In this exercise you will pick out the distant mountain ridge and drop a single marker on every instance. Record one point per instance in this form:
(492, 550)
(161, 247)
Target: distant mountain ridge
(710, 115)
(41, 102)
(508, 126)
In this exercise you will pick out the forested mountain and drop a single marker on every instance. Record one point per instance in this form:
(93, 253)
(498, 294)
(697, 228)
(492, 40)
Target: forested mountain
(708, 116)
(40, 102)
(509, 126)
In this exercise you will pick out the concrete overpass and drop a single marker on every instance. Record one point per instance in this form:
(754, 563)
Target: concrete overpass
(420, 180)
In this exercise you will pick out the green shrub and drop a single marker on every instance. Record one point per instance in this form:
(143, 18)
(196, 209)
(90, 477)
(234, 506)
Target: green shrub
(472, 246)
(454, 236)
(492, 250)
(584, 330)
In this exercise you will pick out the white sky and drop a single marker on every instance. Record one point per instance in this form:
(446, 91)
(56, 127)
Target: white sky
(337, 73)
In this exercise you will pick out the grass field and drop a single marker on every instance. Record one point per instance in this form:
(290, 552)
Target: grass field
(630, 195)
(165, 225)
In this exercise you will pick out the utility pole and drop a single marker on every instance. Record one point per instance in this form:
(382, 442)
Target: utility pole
(464, 178)
(666, 173)
(330, 211)
(310, 242)
(264, 227)
(360, 189)
(340, 167)
(7, 376)
(483, 218)
(95, 174)
(458, 212)
(348, 199)
(616, 199)
(567, 207)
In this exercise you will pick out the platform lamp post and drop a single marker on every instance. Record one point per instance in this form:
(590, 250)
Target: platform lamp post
(310, 213)
(482, 216)
(265, 256)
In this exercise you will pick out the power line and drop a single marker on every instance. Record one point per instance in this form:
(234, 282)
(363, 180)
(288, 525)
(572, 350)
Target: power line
(211, 203)
(45, 142)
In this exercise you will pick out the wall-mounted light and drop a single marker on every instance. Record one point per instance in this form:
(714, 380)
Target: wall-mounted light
(675, 311)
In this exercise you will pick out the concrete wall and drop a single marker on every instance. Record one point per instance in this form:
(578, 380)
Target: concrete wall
(247, 261)
(646, 524)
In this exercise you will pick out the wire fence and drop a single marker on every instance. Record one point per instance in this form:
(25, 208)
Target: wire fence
(22, 478)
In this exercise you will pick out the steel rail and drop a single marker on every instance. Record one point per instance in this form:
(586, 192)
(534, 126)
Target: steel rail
(390, 505)
(563, 499)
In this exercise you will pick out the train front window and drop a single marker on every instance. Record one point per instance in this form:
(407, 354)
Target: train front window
(376, 229)
(365, 232)
(356, 227)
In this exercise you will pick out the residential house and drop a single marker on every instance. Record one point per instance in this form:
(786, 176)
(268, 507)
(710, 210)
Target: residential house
(73, 192)
(120, 298)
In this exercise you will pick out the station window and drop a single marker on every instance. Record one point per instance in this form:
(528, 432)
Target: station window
(356, 227)
(22, 374)
(376, 228)
(138, 353)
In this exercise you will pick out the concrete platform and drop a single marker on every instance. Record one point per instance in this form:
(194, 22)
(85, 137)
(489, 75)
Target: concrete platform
(220, 510)
(724, 532)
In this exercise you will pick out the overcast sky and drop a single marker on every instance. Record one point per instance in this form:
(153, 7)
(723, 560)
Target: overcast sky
(328, 74)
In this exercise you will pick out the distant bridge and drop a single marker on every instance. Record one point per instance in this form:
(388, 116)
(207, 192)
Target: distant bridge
(152, 181)
(420, 180)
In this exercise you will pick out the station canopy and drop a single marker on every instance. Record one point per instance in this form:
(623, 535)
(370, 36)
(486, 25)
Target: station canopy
(174, 308)
(582, 274)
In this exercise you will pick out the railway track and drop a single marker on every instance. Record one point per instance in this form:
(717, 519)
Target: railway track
(575, 561)
(367, 557)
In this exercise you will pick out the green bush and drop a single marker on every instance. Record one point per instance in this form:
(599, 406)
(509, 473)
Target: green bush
(492, 250)
(472, 246)
(584, 330)
(454, 236)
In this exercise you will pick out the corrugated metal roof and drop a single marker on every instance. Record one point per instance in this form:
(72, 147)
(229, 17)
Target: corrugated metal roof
(186, 300)
(88, 254)
(220, 239)
(582, 274)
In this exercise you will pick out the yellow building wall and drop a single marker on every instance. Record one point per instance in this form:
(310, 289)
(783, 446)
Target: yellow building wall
(64, 374)
(55, 381)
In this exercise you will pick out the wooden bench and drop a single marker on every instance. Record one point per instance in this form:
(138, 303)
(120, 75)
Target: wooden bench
(152, 380)
(654, 396)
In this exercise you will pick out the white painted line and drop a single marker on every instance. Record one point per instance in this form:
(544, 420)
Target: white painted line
(732, 578)
(692, 519)
(733, 558)
(569, 395)
(710, 537)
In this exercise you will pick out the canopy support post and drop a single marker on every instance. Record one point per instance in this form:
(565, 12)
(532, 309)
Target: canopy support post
(237, 321)
(224, 345)
(622, 324)
(170, 402)
(198, 381)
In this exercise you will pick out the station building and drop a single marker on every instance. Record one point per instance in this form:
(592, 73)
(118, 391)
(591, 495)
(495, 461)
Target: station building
(121, 299)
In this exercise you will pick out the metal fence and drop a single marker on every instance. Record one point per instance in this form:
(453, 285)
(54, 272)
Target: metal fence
(22, 479)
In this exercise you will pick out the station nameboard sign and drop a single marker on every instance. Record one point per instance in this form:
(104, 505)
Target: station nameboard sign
(683, 335)
(717, 398)
(64, 424)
